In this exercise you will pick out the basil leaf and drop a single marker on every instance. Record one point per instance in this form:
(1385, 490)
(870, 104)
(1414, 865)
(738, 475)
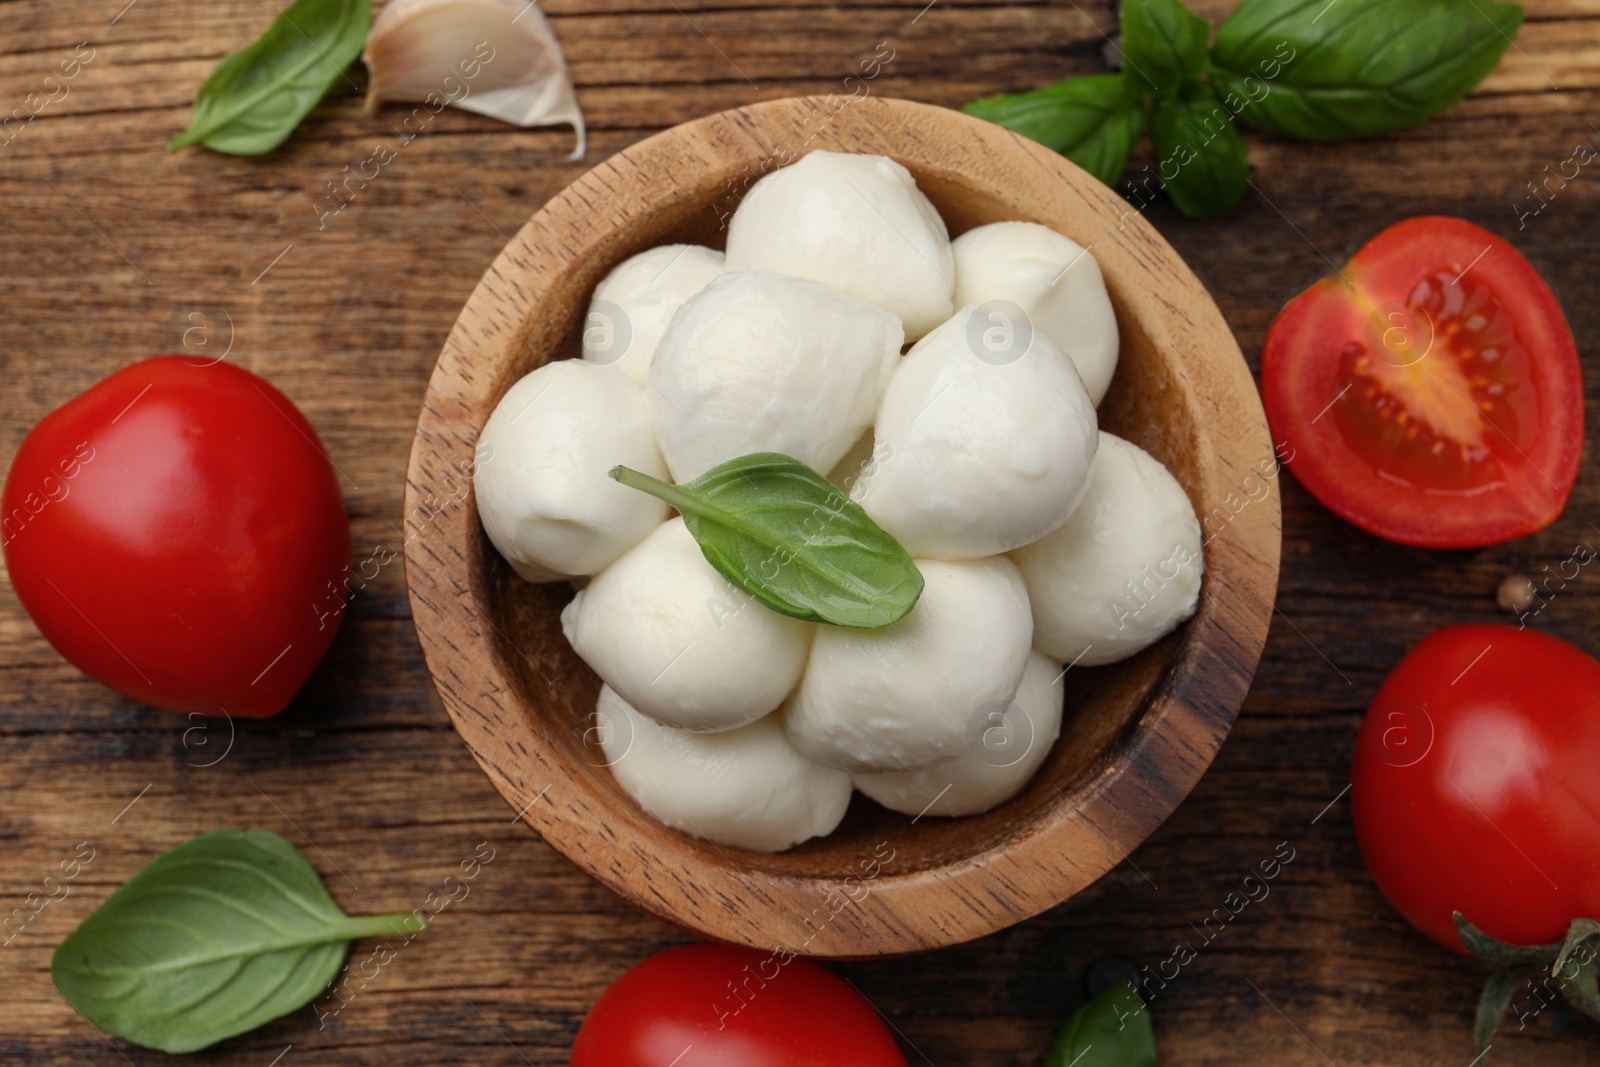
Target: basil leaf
(215, 937)
(784, 534)
(1112, 1030)
(1324, 71)
(1196, 140)
(256, 97)
(1093, 121)
(1163, 44)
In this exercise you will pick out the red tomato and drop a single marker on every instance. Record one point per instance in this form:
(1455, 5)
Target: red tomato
(177, 533)
(1430, 392)
(718, 1006)
(1476, 785)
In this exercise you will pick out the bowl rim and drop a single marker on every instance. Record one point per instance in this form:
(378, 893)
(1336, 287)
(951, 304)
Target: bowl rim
(1173, 737)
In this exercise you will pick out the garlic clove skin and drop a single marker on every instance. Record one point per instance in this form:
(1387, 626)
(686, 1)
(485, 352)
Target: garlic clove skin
(1005, 748)
(747, 788)
(493, 57)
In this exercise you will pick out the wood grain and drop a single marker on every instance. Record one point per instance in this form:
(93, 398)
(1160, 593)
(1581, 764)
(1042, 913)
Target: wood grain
(366, 763)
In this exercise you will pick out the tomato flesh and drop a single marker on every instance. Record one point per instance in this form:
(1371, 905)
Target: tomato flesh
(709, 1005)
(1427, 422)
(1430, 393)
(1474, 784)
(177, 533)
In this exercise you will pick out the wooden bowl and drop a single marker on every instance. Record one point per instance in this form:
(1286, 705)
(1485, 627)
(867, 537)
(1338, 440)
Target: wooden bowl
(1136, 735)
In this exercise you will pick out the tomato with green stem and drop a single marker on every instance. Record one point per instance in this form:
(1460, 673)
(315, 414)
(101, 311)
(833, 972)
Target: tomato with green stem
(1476, 785)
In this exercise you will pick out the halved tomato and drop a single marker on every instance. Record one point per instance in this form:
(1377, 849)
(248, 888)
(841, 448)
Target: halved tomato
(1429, 393)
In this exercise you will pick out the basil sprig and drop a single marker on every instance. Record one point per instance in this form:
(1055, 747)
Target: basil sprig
(784, 534)
(1112, 1030)
(1311, 69)
(257, 96)
(215, 937)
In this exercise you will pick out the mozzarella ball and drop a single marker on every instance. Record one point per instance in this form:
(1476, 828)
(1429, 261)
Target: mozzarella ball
(1054, 281)
(1124, 571)
(679, 642)
(633, 304)
(856, 222)
(747, 788)
(1004, 749)
(982, 453)
(855, 463)
(768, 363)
(901, 697)
(544, 495)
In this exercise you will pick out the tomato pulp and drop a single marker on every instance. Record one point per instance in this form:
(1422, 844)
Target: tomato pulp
(1475, 785)
(1430, 392)
(177, 533)
(718, 1006)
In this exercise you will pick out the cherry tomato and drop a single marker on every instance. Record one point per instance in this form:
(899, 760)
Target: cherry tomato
(177, 533)
(1476, 785)
(1429, 393)
(717, 1006)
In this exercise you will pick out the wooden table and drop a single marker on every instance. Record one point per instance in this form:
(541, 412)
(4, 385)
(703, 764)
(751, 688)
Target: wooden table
(115, 250)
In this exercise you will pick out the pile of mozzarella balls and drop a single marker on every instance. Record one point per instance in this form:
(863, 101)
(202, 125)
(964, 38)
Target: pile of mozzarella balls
(1043, 542)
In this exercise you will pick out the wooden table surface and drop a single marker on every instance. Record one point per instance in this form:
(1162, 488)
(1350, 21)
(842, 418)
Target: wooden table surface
(115, 250)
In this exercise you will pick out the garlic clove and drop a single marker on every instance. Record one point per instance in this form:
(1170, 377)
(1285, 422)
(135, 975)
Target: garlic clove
(493, 57)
